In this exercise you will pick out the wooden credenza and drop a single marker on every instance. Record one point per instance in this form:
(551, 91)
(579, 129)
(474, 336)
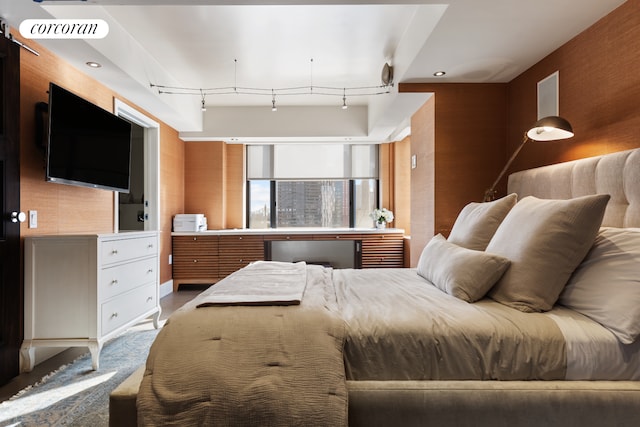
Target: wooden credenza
(82, 290)
(208, 256)
(202, 258)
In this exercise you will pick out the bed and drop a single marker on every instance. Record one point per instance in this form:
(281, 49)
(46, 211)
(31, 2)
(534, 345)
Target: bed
(528, 314)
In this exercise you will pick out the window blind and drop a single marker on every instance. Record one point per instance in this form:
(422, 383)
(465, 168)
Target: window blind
(312, 161)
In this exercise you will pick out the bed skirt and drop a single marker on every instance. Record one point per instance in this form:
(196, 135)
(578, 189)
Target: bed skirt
(460, 403)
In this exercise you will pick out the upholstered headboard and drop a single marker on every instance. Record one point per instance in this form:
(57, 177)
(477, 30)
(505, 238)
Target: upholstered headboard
(616, 174)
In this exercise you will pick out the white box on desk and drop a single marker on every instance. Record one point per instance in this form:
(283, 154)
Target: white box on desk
(189, 222)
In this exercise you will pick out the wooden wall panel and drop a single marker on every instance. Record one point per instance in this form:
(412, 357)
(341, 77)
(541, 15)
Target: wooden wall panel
(214, 182)
(599, 92)
(171, 192)
(204, 181)
(422, 179)
(402, 184)
(235, 186)
(61, 208)
(465, 156)
(385, 159)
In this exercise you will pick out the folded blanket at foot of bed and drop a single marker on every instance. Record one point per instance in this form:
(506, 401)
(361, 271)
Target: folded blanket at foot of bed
(274, 365)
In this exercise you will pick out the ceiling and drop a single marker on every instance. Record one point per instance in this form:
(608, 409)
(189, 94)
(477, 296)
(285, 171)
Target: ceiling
(204, 45)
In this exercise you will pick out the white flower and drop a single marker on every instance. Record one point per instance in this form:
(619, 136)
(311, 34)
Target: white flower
(382, 215)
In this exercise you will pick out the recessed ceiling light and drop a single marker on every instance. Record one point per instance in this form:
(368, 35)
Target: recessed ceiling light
(439, 73)
(93, 64)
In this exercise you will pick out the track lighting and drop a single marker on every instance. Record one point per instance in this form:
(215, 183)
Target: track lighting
(283, 91)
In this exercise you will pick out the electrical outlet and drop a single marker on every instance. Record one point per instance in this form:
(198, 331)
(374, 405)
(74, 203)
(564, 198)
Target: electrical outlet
(33, 219)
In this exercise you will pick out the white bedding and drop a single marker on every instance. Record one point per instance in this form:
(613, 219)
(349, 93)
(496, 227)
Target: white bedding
(593, 352)
(260, 283)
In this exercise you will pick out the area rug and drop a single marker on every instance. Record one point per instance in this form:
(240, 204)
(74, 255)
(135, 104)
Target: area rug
(76, 395)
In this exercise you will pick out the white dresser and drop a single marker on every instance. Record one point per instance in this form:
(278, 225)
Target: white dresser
(82, 290)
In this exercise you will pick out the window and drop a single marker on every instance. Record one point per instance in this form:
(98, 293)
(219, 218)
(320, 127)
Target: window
(293, 185)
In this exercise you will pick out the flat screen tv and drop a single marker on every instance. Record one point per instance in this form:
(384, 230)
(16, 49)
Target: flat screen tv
(86, 145)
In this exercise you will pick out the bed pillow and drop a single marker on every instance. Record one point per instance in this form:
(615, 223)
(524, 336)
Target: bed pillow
(545, 241)
(606, 285)
(463, 273)
(477, 222)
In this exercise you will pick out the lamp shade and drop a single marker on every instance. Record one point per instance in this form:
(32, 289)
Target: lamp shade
(550, 128)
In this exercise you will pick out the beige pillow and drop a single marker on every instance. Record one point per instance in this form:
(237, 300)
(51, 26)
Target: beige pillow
(477, 222)
(460, 272)
(606, 285)
(545, 241)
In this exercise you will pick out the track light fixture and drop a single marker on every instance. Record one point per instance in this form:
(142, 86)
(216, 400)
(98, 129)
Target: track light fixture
(203, 107)
(283, 91)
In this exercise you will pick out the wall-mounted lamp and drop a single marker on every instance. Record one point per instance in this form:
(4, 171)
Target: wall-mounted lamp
(273, 102)
(549, 128)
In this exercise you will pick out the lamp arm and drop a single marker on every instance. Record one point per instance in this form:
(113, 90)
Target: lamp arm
(490, 193)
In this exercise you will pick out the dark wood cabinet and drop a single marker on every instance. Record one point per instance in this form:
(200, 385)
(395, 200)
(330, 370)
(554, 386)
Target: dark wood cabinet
(195, 260)
(236, 252)
(206, 257)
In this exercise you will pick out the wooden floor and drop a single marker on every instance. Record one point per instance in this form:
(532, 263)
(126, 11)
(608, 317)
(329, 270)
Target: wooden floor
(169, 304)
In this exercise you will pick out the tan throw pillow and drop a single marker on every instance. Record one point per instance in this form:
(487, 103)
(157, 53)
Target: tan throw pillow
(463, 273)
(477, 222)
(545, 241)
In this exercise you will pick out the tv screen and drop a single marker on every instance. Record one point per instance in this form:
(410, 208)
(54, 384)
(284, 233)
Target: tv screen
(86, 145)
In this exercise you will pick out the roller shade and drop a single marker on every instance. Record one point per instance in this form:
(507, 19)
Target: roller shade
(312, 161)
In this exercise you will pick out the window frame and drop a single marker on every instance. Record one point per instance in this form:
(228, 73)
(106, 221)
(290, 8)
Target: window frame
(351, 185)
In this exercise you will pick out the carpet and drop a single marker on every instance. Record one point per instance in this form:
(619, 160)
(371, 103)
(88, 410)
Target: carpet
(75, 395)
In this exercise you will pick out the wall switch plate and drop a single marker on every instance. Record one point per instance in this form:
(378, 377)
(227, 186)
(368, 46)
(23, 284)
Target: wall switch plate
(170, 259)
(414, 161)
(33, 219)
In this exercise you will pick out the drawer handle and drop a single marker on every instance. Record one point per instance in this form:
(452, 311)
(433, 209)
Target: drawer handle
(195, 260)
(114, 315)
(150, 270)
(114, 282)
(195, 238)
(288, 237)
(149, 299)
(241, 260)
(150, 246)
(337, 237)
(114, 252)
(240, 238)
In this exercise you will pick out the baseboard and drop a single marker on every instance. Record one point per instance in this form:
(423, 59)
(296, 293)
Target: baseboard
(166, 288)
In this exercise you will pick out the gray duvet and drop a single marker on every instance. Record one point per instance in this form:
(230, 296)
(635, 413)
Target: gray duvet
(400, 327)
(287, 365)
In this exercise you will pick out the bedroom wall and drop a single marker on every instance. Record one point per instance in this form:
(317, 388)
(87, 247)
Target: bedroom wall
(69, 209)
(599, 92)
(459, 141)
(214, 182)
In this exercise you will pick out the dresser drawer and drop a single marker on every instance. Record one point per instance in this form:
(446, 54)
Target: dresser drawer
(124, 277)
(125, 307)
(113, 251)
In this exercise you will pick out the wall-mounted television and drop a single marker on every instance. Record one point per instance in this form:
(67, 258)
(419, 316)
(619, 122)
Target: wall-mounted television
(86, 145)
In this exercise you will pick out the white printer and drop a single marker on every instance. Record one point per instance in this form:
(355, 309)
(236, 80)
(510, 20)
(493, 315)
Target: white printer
(189, 222)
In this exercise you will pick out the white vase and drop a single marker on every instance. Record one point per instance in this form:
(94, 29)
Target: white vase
(381, 225)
